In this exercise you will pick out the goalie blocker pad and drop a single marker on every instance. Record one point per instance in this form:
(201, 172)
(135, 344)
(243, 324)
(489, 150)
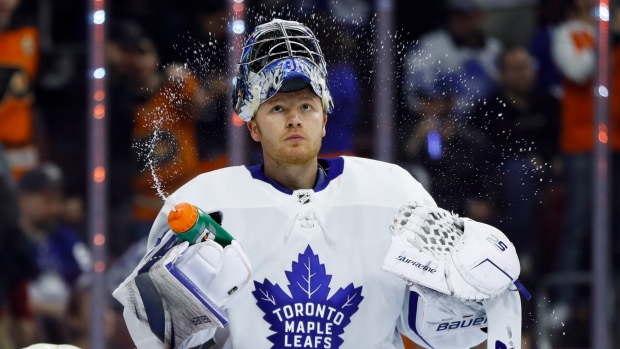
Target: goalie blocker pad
(481, 266)
(181, 290)
(437, 317)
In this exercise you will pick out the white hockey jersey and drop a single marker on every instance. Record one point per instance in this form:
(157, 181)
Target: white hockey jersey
(316, 258)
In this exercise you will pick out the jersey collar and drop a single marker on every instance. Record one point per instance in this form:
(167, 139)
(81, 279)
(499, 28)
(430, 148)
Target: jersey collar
(333, 168)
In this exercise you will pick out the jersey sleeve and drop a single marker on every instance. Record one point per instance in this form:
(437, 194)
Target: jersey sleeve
(423, 321)
(415, 191)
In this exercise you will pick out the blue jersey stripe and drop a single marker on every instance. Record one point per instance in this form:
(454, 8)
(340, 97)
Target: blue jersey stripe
(413, 310)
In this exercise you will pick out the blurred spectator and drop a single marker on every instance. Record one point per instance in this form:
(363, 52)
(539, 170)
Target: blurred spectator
(548, 76)
(442, 148)
(17, 324)
(164, 104)
(117, 63)
(165, 116)
(503, 16)
(210, 59)
(461, 49)
(351, 12)
(61, 89)
(120, 109)
(165, 21)
(58, 295)
(574, 54)
(521, 123)
(343, 11)
(9, 212)
(186, 114)
(19, 47)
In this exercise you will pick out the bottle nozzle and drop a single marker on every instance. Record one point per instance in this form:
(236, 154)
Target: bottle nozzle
(183, 217)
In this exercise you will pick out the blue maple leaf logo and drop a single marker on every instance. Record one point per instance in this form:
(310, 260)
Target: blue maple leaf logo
(307, 318)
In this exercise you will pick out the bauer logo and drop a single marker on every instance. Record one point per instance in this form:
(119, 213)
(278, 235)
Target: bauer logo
(477, 322)
(307, 318)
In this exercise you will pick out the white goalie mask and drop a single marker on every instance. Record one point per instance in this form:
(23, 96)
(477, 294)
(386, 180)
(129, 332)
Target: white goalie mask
(279, 56)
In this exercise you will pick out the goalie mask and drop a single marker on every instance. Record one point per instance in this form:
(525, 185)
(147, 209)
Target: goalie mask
(279, 56)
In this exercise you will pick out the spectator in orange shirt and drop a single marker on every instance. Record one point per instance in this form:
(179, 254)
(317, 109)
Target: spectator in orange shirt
(19, 54)
(574, 53)
(166, 104)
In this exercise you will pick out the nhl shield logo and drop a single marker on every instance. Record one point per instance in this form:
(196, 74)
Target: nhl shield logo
(307, 318)
(303, 198)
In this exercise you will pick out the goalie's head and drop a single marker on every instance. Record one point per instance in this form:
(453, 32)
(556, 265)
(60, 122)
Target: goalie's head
(279, 56)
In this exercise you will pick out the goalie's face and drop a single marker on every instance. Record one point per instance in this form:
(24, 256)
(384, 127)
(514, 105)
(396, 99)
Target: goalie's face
(290, 127)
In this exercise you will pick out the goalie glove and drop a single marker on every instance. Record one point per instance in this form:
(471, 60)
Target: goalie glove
(178, 290)
(468, 260)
